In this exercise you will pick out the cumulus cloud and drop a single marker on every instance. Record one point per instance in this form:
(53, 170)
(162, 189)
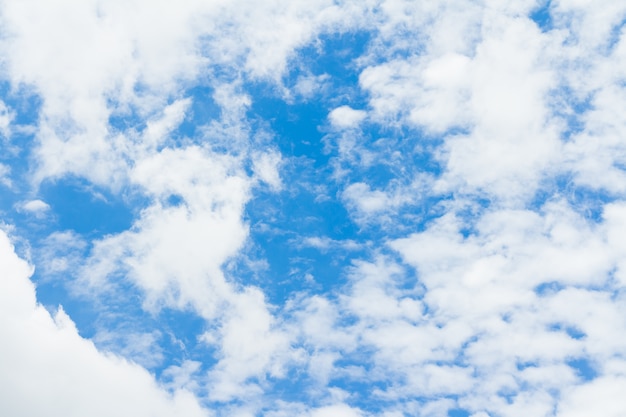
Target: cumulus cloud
(44, 355)
(346, 117)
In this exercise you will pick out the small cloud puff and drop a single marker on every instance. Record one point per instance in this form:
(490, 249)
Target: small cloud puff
(346, 117)
(35, 207)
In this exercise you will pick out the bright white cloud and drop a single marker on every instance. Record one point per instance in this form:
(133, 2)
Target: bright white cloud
(44, 357)
(346, 117)
(176, 248)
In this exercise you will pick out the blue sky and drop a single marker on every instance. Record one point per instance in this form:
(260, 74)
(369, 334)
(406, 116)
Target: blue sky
(379, 208)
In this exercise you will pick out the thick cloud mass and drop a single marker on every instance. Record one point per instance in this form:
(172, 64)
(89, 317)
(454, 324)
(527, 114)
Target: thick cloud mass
(313, 208)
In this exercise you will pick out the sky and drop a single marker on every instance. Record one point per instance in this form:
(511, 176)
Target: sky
(320, 208)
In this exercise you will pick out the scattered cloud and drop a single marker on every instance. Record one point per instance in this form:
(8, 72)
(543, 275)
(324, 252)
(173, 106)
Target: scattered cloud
(447, 178)
(36, 207)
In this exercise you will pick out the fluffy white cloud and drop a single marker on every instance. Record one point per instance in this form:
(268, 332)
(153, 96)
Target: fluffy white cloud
(489, 283)
(47, 368)
(346, 117)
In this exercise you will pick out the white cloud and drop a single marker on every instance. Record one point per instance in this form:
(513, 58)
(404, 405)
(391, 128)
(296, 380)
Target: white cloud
(36, 207)
(486, 284)
(598, 397)
(251, 346)
(496, 94)
(44, 357)
(90, 60)
(175, 252)
(346, 117)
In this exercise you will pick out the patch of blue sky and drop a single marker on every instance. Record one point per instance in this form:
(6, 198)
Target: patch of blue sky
(293, 387)
(458, 412)
(548, 288)
(202, 111)
(294, 126)
(180, 341)
(524, 365)
(90, 211)
(508, 394)
(333, 54)
(571, 331)
(584, 368)
(589, 202)
(281, 228)
(310, 207)
(303, 136)
(542, 17)
(24, 106)
(616, 33)
(177, 332)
